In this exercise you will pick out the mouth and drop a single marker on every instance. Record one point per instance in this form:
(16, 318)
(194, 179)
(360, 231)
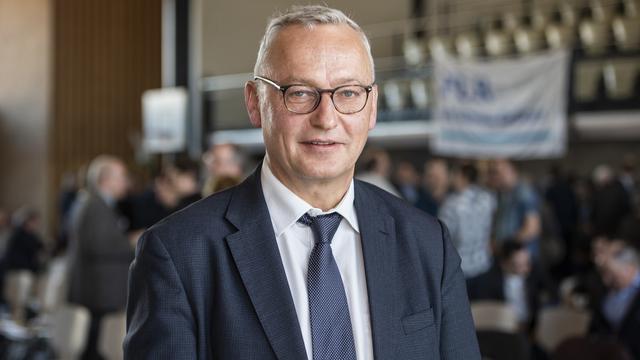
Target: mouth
(320, 144)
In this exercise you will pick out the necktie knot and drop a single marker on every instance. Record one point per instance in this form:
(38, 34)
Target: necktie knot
(323, 226)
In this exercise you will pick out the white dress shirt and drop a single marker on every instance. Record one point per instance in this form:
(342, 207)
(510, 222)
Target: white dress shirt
(295, 242)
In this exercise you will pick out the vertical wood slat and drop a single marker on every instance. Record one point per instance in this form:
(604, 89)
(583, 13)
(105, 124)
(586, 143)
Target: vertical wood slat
(105, 55)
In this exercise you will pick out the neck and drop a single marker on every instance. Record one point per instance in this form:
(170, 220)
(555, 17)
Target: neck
(324, 194)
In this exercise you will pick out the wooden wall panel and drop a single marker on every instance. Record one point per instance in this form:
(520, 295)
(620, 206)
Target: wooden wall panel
(106, 53)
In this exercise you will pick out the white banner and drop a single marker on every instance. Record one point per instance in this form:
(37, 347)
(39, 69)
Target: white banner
(164, 120)
(512, 108)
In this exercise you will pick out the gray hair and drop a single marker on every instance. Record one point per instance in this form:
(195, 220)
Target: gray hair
(98, 169)
(627, 255)
(308, 16)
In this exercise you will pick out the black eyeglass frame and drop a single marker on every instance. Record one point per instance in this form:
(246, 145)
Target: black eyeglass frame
(283, 89)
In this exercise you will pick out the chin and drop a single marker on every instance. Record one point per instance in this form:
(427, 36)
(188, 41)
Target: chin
(320, 172)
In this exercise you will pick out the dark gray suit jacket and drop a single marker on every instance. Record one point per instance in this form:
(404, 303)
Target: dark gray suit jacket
(208, 283)
(100, 255)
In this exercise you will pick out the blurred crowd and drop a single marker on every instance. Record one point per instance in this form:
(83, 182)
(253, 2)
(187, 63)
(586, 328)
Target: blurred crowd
(552, 242)
(103, 210)
(533, 243)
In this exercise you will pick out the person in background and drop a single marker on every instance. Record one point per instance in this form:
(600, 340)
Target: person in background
(610, 202)
(5, 234)
(225, 165)
(619, 311)
(628, 177)
(100, 249)
(183, 176)
(435, 186)
(376, 169)
(563, 203)
(5, 231)
(514, 280)
(406, 180)
(468, 213)
(25, 250)
(517, 214)
(158, 201)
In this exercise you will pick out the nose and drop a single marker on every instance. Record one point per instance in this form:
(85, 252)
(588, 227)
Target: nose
(325, 116)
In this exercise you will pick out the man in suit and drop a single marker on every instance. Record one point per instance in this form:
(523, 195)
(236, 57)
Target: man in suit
(100, 250)
(514, 280)
(300, 261)
(618, 313)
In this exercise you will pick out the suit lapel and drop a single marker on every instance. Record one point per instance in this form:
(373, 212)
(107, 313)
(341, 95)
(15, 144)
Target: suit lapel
(255, 252)
(631, 315)
(376, 230)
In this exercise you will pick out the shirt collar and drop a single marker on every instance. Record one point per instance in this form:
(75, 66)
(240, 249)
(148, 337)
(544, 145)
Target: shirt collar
(285, 207)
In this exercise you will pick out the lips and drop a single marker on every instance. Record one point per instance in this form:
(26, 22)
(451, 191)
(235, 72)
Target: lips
(320, 142)
(326, 143)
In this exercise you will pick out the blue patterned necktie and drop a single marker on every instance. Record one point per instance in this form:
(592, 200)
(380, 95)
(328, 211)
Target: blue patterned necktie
(331, 334)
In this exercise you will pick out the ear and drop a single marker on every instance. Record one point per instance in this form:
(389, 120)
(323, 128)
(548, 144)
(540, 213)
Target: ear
(374, 106)
(252, 103)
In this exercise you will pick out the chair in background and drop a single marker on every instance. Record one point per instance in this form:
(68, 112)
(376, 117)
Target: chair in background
(559, 323)
(52, 289)
(112, 333)
(17, 291)
(494, 316)
(69, 327)
(498, 345)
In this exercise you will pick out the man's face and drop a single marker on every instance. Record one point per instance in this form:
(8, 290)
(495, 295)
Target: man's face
(322, 146)
(618, 275)
(118, 180)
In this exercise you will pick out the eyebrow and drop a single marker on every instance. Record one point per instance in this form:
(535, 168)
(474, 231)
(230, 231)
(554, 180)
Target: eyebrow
(302, 81)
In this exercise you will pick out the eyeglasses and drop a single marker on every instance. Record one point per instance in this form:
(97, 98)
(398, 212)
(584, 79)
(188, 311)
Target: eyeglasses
(302, 99)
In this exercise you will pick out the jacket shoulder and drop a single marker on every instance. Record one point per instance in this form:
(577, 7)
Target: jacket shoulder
(401, 210)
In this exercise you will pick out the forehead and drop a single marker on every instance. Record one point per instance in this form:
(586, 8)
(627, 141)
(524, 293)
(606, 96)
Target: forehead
(321, 53)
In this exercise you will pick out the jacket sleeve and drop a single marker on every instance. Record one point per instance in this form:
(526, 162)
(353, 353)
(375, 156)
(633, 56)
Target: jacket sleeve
(457, 334)
(160, 323)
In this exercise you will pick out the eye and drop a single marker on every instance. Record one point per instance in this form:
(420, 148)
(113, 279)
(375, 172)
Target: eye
(349, 92)
(300, 94)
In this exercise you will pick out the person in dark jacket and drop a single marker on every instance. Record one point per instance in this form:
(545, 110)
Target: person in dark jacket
(25, 247)
(512, 279)
(618, 312)
(100, 249)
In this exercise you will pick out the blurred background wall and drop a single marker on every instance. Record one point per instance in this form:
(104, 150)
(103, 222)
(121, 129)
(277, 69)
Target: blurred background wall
(25, 94)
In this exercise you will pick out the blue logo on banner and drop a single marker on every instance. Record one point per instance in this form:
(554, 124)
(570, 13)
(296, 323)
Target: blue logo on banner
(466, 89)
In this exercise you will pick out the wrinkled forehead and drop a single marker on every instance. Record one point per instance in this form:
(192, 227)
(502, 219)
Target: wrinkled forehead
(334, 52)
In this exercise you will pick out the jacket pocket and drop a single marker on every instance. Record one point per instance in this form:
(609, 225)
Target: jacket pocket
(418, 321)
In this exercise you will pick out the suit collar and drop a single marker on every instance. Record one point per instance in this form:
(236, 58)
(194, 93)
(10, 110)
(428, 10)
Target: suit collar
(258, 260)
(285, 207)
(255, 252)
(377, 233)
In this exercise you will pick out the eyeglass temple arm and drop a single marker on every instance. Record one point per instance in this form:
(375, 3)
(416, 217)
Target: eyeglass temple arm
(270, 82)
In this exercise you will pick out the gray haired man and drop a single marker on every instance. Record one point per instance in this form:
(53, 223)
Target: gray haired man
(301, 261)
